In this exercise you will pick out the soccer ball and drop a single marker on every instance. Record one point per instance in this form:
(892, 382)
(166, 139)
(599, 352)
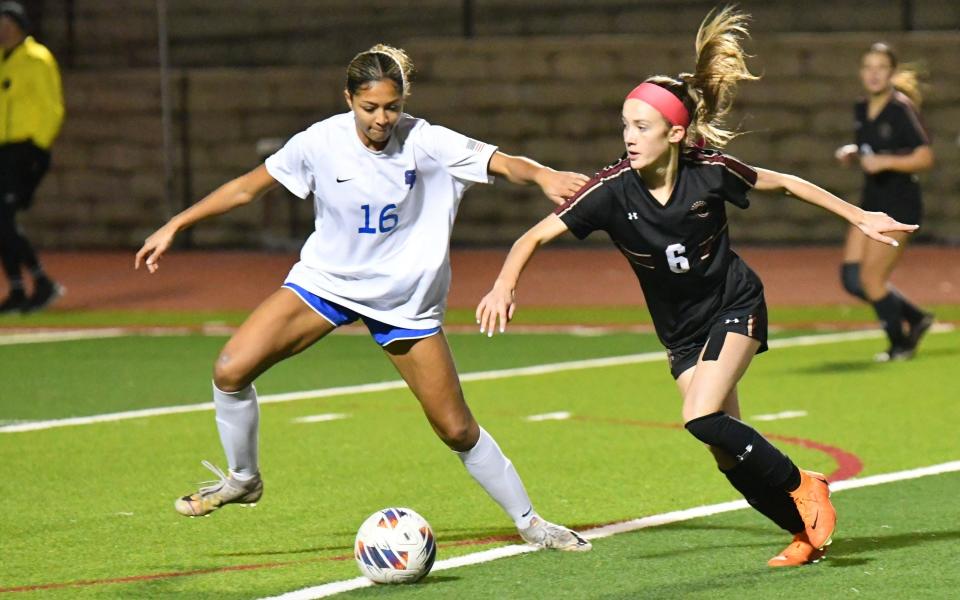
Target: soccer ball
(395, 545)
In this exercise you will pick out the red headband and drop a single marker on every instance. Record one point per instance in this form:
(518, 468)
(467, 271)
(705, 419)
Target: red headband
(664, 101)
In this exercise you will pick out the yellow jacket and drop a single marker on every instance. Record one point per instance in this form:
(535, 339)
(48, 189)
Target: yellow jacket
(31, 97)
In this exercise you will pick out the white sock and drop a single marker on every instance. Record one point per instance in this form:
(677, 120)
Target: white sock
(495, 473)
(238, 421)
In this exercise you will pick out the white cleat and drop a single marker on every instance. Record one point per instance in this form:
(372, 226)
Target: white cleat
(225, 491)
(548, 535)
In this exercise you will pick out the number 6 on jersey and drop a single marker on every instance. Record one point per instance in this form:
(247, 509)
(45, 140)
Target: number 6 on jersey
(678, 263)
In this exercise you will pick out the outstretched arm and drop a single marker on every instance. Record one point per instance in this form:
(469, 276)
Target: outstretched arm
(557, 185)
(500, 302)
(873, 224)
(225, 198)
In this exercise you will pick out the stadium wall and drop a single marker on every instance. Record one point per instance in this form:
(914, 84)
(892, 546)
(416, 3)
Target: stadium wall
(553, 98)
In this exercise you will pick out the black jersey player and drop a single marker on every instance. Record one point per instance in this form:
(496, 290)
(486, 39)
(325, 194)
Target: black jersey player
(664, 206)
(891, 146)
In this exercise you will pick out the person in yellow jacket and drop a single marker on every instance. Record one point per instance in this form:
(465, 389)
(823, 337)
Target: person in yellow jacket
(31, 112)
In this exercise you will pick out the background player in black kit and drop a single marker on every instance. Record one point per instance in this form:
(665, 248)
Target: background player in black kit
(892, 146)
(663, 205)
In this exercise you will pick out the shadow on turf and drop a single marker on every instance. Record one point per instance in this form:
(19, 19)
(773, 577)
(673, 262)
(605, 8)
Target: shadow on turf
(766, 533)
(844, 547)
(866, 363)
(453, 537)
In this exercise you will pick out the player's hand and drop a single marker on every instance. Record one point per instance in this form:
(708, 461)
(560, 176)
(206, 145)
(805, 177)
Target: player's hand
(497, 304)
(875, 224)
(846, 154)
(560, 185)
(873, 163)
(154, 247)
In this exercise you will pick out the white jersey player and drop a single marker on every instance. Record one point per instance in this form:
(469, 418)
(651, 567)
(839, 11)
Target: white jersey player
(386, 187)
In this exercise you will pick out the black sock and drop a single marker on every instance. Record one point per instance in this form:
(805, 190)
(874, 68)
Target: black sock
(16, 287)
(773, 503)
(889, 311)
(756, 455)
(850, 278)
(911, 312)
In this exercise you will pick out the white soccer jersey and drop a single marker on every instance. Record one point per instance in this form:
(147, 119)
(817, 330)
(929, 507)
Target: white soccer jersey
(383, 219)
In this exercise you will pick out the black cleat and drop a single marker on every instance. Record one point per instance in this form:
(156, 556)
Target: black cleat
(16, 302)
(44, 294)
(917, 331)
(895, 354)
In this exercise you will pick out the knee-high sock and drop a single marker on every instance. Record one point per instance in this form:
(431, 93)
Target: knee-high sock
(496, 474)
(773, 503)
(755, 455)
(238, 421)
(911, 312)
(850, 278)
(889, 311)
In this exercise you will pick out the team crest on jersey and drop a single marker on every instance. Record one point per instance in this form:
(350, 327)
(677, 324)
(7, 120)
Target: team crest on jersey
(410, 178)
(885, 130)
(699, 208)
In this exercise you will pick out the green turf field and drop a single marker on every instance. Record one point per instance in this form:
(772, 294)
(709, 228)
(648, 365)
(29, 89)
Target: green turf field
(88, 508)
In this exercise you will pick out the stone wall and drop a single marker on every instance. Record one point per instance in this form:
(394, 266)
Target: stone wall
(243, 33)
(556, 99)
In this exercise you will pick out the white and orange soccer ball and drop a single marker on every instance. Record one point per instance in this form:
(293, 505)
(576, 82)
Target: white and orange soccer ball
(395, 545)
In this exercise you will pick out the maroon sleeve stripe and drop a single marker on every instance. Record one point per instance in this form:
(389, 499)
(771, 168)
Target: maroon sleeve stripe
(745, 172)
(610, 172)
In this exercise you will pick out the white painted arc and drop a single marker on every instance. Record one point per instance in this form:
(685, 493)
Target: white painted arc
(337, 587)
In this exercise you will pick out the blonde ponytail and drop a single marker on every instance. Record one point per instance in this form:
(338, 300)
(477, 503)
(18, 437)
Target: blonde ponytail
(720, 66)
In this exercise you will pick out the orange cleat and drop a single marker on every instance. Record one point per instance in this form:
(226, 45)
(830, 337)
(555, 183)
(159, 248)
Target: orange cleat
(812, 498)
(799, 552)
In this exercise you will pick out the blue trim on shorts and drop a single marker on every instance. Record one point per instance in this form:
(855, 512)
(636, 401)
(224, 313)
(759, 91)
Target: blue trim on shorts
(331, 311)
(337, 315)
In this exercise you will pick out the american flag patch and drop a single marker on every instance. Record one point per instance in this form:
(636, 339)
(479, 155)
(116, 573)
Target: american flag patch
(474, 145)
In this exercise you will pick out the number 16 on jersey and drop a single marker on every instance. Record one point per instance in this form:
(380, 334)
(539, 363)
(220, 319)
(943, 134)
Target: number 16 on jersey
(388, 219)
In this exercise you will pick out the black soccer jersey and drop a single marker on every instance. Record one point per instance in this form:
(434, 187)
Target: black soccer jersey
(897, 129)
(680, 251)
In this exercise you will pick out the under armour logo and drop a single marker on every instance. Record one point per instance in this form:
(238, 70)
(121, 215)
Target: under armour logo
(728, 321)
(632, 216)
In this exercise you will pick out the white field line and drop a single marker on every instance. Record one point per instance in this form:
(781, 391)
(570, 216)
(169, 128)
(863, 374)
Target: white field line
(561, 415)
(36, 337)
(337, 587)
(593, 363)
(321, 418)
(786, 414)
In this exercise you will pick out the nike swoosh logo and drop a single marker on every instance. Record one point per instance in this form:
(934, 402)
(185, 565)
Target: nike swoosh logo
(528, 512)
(342, 180)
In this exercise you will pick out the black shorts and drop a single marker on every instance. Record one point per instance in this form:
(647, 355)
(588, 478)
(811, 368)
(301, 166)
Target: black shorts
(751, 323)
(904, 205)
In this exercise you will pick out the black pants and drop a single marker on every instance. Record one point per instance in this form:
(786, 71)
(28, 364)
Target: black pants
(22, 166)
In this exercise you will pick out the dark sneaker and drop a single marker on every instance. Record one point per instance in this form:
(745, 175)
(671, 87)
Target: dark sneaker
(16, 302)
(44, 294)
(895, 353)
(917, 331)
